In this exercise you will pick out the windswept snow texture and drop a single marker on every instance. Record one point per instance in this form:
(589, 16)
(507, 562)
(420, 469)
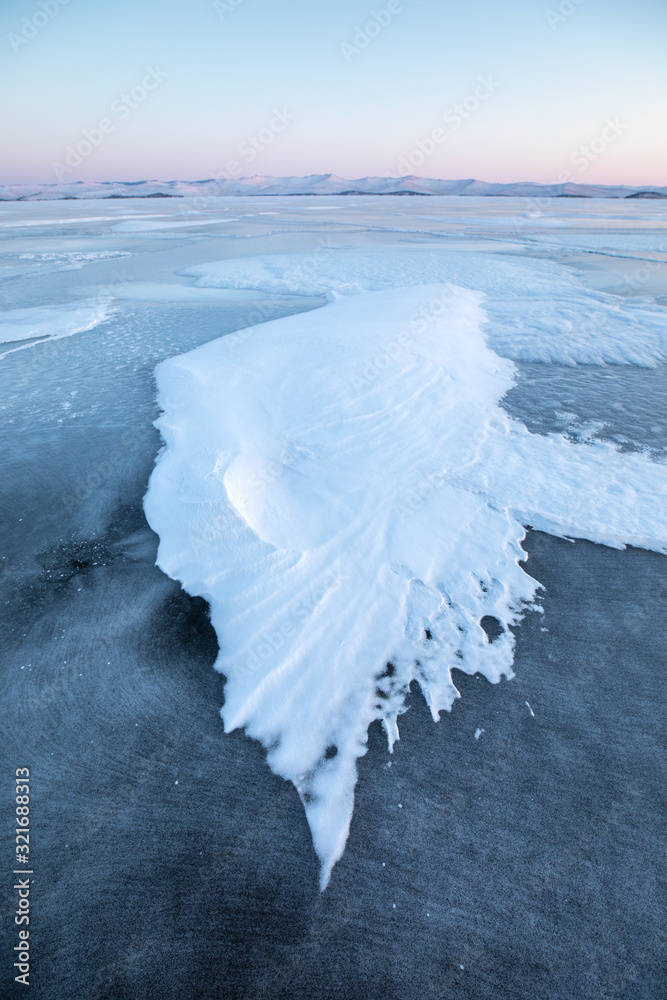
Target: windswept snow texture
(345, 490)
(537, 310)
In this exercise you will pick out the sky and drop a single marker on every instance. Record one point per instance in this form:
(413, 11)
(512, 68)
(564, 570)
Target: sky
(190, 89)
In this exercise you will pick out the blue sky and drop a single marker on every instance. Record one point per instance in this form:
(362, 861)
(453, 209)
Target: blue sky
(362, 88)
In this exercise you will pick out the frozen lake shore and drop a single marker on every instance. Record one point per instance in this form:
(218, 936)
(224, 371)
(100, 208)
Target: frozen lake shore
(522, 861)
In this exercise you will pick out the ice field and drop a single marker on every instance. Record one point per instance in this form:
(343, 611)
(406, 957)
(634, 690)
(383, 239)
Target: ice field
(339, 421)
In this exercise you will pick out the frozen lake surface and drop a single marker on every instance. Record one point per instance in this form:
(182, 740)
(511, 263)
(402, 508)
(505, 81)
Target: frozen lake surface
(524, 862)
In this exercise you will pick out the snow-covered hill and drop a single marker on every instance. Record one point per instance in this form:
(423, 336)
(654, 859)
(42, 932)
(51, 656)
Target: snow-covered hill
(317, 184)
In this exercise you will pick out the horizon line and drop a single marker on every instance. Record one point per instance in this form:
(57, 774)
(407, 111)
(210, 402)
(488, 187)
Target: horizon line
(332, 176)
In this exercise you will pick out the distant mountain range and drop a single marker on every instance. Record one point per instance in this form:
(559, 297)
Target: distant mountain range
(317, 184)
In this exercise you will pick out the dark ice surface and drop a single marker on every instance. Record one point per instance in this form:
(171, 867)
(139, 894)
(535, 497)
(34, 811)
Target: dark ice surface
(527, 863)
(522, 861)
(623, 404)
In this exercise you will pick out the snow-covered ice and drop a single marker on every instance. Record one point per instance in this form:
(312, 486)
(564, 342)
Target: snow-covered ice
(538, 310)
(345, 490)
(48, 323)
(346, 486)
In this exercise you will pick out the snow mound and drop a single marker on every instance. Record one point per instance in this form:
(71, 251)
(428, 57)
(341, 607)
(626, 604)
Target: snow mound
(344, 489)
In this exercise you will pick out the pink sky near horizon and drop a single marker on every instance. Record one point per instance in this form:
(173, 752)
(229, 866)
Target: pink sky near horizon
(512, 93)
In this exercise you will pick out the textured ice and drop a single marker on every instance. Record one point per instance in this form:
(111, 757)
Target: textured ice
(146, 224)
(643, 246)
(48, 323)
(345, 490)
(37, 264)
(153, 291)
(537, 310)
